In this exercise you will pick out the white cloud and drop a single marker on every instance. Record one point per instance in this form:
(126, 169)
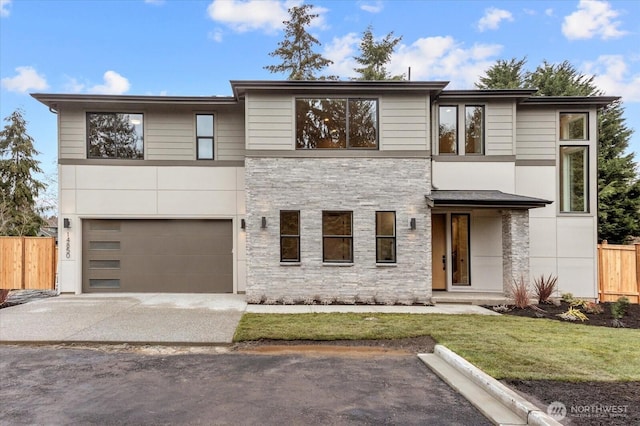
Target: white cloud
(216, 35)
(371, 6)
(154, 2)
(73, 85)
(492, 18)
(613, 77)
(430, 58)
(4, 8)
(114, 84)
(252, 15)
(593, 18)
(26, 80)
(548, 12)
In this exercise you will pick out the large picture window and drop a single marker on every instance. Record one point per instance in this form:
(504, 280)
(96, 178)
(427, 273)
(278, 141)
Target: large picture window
(337, 236)
(574, 179)
(385, 237)
(290, 236)
(204, 136)
(574, 126)
(115, 135)
(336, 123)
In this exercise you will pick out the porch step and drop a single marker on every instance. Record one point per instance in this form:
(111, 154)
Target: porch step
(491, 299)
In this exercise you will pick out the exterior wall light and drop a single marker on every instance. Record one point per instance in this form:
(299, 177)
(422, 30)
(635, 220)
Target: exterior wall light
(412, 223)
(264, 223)
(243, 224)
(66, 223)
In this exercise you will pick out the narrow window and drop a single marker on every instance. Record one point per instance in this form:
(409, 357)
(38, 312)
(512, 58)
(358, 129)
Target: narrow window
(460, 249)
(574, 179)
(290, 236)
(204, 136)
(337, 236)
(386, 237)
(448, 130)
(573, 126)
(473, 129)
(115, 135)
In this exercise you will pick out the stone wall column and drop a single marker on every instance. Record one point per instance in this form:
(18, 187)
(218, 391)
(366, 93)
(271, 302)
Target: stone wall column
(515, 248)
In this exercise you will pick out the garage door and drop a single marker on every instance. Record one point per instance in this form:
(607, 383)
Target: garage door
(175, 256)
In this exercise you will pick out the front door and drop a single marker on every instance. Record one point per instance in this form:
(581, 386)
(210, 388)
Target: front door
(439, 251)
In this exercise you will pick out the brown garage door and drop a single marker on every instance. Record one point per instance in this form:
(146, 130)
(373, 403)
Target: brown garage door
(175, 256)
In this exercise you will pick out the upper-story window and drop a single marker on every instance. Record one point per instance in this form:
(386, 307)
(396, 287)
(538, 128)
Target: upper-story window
(331, 123)
(473, 124)
(574, 126)
(204, 136)
(115, 135)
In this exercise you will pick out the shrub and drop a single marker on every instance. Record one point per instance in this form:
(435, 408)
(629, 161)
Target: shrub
(619, 308)
(573, 314)
(520, 293)
(544, 287)
(567, 297)
(592, 308)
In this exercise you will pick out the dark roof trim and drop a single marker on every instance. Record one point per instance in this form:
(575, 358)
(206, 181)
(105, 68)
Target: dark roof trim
(240, 87)
(508, 94)
(52, 99)
(483, 199)
(575, 101)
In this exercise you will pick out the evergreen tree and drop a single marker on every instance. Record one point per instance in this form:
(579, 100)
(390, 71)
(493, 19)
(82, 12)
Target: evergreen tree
(374, 55)
(18, 186)
(296, 50)
(618, 182)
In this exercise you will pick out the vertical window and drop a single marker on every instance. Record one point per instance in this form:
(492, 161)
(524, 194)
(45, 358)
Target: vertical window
(574, 126)
(204, 136)
(574, 179)
(290, 236)
(448, 130)
(460, 249)
(386, 237)
(337, 236)
(115, 135)
(473, 129)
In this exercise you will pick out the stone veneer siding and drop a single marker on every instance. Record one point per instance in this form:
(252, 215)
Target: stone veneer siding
(515, 248)
(360, 185)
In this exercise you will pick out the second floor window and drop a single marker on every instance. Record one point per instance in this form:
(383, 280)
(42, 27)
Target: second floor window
(204, 136)
(472, 125)
(115, 135)
(331, 123)
(573, 126)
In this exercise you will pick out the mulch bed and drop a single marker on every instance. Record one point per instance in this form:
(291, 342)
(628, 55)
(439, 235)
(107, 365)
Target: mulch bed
(605, 319)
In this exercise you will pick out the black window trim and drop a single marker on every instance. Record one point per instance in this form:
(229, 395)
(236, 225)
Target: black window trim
(213, 137)
(297, 236)
(350, 260)
(587, 183)
(88, 142)
(386, 237)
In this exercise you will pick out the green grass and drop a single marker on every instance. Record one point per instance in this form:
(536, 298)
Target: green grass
(503, 346)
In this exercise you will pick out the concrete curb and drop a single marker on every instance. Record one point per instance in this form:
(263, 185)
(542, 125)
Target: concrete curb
(509, 398)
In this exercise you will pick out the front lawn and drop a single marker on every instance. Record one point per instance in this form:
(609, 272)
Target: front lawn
(505, 347)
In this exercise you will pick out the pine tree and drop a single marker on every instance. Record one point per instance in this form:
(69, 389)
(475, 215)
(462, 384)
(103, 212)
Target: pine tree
(618, 182)
(374, 55)
(19, 188)
(296, 50)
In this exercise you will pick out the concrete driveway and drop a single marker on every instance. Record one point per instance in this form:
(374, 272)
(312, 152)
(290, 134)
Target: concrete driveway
(134, 318)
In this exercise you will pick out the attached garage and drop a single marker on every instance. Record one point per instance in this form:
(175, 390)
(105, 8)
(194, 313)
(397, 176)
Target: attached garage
(157, 255)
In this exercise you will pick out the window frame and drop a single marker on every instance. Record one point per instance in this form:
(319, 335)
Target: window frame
(562, 184)
(380, 237)
(212, 137)
(290, 236)
(461, 129)
(585, 128)
(484, 128)
(342, 237)
(346, 120)
(469, 255)
(457, 130)
(88, 134)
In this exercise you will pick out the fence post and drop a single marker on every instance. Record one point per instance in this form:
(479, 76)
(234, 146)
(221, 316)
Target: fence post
(600, 271)
(23, 277)
(638, 268)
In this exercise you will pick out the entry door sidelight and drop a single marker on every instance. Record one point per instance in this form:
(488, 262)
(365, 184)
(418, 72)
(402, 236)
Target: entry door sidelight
(460, 249)
(439, 251)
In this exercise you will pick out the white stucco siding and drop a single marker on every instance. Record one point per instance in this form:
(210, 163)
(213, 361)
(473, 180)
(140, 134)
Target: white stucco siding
(469, 175)
(147, 192)
(536, 134)
(499, 125)
(270, 122)
(404, 123)
(486, 252)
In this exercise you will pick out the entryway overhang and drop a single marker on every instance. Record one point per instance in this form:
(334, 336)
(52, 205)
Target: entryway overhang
(483, 199)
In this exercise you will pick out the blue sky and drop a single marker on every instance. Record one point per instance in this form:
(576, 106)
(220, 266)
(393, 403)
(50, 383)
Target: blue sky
(172, 47)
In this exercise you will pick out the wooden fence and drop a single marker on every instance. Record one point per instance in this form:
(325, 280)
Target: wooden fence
(28, 263)
(619, 272)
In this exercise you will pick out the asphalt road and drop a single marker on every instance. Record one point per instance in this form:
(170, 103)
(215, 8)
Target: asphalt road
(52, 385)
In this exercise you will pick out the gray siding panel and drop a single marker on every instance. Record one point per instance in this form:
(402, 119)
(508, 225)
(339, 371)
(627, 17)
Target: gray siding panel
(536, 134)
(270, 121)
(499, 128)
(404, 123)
(72, 140)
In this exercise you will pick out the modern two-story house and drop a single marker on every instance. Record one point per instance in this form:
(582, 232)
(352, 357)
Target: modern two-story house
(328, 192)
